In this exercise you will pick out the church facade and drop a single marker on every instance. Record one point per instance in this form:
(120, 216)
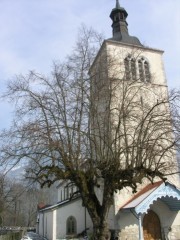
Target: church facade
(154, 211)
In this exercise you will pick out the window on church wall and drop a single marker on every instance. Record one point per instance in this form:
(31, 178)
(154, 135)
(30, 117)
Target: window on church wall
(140, 67)
(146, 71)
(130, 68)
(137, 69)
(71, 227)
(133, 69)
(127, 69)
(121, 16)
(66, 192)
(71, 190)
(116, 18)
(61, 198)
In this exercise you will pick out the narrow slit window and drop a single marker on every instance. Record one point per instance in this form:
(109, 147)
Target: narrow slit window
(121, 16)
(67, 192)
(61, 195)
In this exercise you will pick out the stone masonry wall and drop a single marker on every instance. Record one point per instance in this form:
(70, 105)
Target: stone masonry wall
(130, 233)
(174, 233)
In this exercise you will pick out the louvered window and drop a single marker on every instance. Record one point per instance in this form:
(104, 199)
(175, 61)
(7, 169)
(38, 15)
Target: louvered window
(137, 70)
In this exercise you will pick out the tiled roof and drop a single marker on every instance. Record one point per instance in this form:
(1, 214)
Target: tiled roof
(138, 197)
(164, 191)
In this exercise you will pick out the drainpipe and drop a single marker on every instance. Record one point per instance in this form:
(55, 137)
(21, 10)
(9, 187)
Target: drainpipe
(141, 237)
(43, 224)
(85, 218)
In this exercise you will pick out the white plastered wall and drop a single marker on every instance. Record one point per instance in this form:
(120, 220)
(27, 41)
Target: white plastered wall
(117, 52)
(76, 210)
(46, 224)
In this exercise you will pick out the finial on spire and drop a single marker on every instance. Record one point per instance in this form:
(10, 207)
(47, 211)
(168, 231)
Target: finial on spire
(117, 4)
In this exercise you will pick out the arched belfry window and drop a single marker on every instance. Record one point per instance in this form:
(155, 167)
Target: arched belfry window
(137, 69)
(140, 68)
(116, 18)
(133, 69)
(71, 226)
(130, 68)
(146, 71)
(127, 68)
(122, 16)
(143, 68)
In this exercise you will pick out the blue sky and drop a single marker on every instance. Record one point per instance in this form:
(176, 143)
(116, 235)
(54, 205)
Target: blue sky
(33, 33)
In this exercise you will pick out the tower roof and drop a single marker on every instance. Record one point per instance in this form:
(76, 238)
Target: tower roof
(120, 26)
(117, 9)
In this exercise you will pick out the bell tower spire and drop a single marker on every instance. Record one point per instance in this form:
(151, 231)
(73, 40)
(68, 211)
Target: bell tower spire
(120, 26)
(117, 4)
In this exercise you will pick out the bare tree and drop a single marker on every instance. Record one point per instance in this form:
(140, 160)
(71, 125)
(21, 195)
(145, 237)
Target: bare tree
(5, 196)
(1, 198)
(18, 202)
(11, 196)
(175, 113)
(70, 126)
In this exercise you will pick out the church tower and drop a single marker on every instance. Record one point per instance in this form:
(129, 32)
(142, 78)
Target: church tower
(131, 135)
(124, 63)
(125, 67)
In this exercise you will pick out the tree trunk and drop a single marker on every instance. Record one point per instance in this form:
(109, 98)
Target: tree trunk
(101, 231)
(99, 212)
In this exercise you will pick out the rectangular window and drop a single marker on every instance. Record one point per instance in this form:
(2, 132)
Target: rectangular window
(61, 195)
(67, 192)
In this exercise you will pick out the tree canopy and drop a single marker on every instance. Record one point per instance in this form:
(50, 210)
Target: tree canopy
(69, 127)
